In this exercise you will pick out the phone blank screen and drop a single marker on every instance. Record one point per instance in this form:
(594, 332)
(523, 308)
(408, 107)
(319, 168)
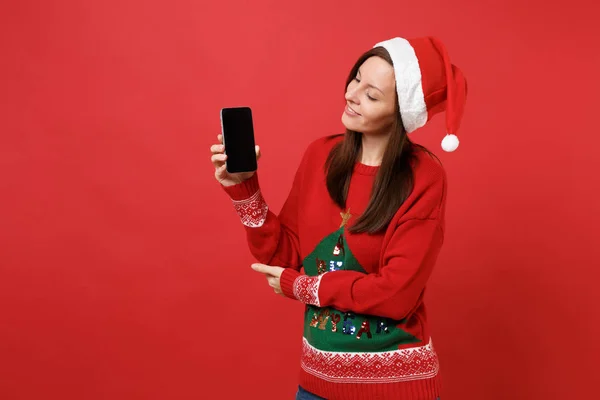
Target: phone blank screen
(238, 133)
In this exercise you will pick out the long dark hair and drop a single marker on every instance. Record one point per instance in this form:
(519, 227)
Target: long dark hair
(394, 179)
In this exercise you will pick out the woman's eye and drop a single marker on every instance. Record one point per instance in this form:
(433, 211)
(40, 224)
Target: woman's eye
(371, 98)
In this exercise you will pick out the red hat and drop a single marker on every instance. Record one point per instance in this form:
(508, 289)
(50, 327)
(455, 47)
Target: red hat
(427, 83)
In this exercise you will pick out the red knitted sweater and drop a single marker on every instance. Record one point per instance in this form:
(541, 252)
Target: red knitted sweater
(366, 334)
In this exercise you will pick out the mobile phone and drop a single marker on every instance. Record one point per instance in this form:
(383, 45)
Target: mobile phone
(238, 138)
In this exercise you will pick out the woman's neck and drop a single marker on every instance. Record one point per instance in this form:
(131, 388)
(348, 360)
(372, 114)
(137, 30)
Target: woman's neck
(373, 148)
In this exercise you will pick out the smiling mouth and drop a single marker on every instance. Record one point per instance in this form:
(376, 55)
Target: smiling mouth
(350, 111)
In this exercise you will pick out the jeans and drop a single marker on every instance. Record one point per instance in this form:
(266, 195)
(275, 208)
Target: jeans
(304, 395)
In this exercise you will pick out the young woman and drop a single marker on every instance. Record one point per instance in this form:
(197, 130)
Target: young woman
(365, 221)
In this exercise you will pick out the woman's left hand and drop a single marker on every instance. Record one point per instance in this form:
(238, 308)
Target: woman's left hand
(273, 274)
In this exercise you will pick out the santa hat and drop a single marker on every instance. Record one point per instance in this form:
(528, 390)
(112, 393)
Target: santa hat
(427, 83)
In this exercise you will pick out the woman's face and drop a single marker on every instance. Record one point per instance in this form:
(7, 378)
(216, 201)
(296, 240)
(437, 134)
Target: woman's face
(371, 98)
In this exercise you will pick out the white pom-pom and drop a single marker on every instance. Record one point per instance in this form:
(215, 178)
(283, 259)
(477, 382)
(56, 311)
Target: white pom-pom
(450, 143)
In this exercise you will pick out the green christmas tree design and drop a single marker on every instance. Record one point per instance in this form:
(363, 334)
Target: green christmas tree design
(329, 329)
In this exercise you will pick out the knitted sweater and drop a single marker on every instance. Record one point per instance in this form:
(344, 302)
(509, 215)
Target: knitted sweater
(366, 334)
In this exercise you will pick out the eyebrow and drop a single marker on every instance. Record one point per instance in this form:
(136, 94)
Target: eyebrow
(373, 86)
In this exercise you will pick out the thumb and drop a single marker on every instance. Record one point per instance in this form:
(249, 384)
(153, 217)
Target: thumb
(258, 152)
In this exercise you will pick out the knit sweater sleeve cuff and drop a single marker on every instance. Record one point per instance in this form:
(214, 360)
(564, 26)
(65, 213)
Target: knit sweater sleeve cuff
(286, 281)
(301, 287)
(243, 190)
(249, 202)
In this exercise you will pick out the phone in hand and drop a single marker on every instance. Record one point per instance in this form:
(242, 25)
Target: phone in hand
(238, 138)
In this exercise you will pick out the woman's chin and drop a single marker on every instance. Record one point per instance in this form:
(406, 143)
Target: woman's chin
(350, 125)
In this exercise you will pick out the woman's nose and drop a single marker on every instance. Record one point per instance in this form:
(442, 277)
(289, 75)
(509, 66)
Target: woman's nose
(351, 95)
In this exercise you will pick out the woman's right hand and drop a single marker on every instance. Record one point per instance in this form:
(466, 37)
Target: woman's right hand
(218, 159)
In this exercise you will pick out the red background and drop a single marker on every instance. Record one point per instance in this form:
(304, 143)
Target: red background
(124, 271)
